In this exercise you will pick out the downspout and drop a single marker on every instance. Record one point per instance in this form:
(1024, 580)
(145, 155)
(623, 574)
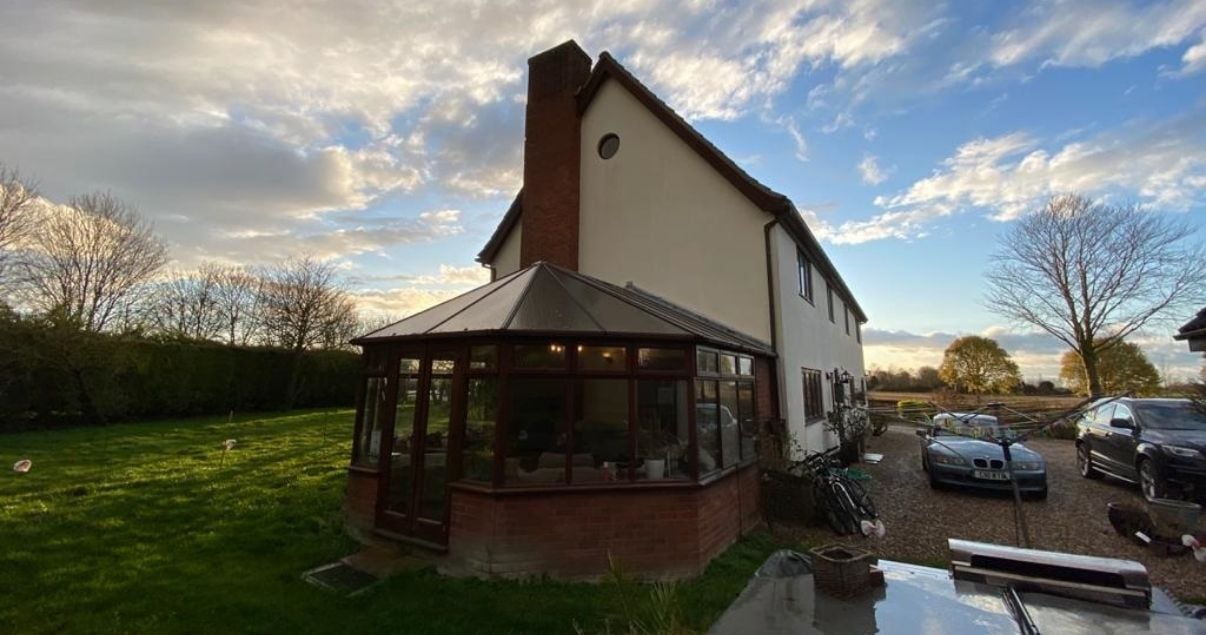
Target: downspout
(774, 327)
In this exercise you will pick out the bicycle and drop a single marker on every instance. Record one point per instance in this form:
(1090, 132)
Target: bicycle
(845, 505)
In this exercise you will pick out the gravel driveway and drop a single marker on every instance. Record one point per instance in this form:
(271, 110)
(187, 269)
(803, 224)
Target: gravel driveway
(1072, 519)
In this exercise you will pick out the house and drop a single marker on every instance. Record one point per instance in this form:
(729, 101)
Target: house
(1193, 332)
(653, 311)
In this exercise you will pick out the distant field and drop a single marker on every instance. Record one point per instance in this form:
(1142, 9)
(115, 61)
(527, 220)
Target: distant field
(1017, 401)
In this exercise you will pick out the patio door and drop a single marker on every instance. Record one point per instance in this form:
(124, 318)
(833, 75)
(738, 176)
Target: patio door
(414, 499)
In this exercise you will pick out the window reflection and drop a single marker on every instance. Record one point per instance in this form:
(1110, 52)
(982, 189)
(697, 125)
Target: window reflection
(662, 435)
(707, 423)
(477, 450)
(601, 448)
(536, 440)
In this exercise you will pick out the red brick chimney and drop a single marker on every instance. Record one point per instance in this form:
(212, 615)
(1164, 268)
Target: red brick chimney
(551, 156)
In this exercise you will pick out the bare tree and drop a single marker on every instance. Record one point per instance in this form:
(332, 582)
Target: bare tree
(187, 306)
(85, 262)
(302, 305)
(1091, 274)
(237, 295)
(18, 197)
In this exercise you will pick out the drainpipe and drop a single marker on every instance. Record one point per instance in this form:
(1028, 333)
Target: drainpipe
(774, 327)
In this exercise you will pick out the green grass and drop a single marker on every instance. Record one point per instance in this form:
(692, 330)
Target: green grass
(144, 527)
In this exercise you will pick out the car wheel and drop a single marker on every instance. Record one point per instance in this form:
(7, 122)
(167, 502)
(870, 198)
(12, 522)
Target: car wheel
(1084, 462)
(1151, 481)
(934, 484)
(1041, 495)
(925, 463)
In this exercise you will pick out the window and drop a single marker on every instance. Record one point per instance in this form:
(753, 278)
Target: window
(745, 366)
(805, 275)
(540, 356)
(398, 498)
(728, 364)
(662, 429)
(814, 408)
(477, 450)
(858, 332)
(829, 300)
(600, 431)
(748, 419)
(609, 145)
(483, 358)
(705, 362)
(536, 440)
(707, 420)
(369, 445)
(605, 358)
(661, 359)
(846, 312)
(730, 436)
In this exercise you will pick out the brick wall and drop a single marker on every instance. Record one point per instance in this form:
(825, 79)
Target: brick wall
(360, 503)
(652, 533)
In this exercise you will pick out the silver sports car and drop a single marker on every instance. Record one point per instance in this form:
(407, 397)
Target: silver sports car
(959, 449)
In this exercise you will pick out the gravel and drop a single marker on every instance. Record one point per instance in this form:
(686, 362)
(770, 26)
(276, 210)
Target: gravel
(1073, 518)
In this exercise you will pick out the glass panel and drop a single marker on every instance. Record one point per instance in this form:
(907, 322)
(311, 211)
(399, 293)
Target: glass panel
(545, 307)
(745, 366)
(662, 359)
(370, 426)
(705, 362)
(749, 420)
(483, 357)
(540, 356)
(613, 358)
(408, 365)
(601, 432)
(374, 361)
(435, 440)
(401, 476)
(728, 365)
(481, 406)
(730, 438)
(708, 432)
(662, 429)
(535, 431)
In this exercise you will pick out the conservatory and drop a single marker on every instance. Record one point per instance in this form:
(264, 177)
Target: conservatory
(547, 421)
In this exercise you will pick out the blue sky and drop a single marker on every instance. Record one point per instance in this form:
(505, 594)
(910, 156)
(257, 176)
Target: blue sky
(388, 138)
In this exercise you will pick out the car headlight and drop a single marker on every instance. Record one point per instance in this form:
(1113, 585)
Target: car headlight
(1028, 466)
(947, 459)
(1185, 453)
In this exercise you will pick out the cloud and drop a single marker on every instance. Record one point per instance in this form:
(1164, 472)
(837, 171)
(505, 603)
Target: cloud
(1161, 163)
(871, 172)
(1194, 59)
(1091, 33)
(1037, 354)
(797, 137)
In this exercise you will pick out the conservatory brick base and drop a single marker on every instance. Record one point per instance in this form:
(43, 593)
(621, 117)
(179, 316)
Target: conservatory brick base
(667, 532)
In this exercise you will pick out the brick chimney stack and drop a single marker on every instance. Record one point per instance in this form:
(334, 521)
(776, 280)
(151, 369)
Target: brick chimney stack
(551, 148)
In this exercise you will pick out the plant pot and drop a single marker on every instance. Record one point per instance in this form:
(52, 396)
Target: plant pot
(655, 469)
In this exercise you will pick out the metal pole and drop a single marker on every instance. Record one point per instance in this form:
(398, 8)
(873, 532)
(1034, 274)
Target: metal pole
(1019, 515)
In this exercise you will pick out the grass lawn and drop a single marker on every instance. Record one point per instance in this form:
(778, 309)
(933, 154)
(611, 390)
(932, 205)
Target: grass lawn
(145, 527)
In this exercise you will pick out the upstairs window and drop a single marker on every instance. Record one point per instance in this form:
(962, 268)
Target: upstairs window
(846, 313)
(858, 332)
(814, 408)
(829, 299)
(805, 275)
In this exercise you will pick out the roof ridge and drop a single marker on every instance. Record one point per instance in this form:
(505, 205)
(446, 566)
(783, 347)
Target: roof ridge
(439, 304)
(523, 293)
(556, 277)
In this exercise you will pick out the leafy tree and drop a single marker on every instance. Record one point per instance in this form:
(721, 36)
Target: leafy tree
(1091, 274)
(1121, 368)
(978, 365)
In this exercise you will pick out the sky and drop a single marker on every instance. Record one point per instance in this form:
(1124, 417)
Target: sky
(387, 136)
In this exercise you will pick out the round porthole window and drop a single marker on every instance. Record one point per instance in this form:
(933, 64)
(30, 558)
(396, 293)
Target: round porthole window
(609, 145)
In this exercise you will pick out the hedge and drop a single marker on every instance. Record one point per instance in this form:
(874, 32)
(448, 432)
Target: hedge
(54, 376)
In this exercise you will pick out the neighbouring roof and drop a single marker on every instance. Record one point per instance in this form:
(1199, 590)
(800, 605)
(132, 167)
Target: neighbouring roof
(760, 195)
(546, 299)
(1194, 328)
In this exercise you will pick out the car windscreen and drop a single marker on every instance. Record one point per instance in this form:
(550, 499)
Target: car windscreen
(980, 427)
(1173, 415)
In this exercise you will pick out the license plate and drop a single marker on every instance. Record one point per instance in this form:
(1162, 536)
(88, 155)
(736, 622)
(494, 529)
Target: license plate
(991, 475)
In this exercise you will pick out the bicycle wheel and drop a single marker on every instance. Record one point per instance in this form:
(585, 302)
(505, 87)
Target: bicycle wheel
(847, 511)
(861, 498)
(824, 504)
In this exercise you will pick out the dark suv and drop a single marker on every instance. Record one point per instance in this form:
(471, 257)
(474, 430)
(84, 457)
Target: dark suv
(1158, 443)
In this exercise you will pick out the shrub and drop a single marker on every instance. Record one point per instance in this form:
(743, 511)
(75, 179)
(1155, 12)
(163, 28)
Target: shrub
(53, 376)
